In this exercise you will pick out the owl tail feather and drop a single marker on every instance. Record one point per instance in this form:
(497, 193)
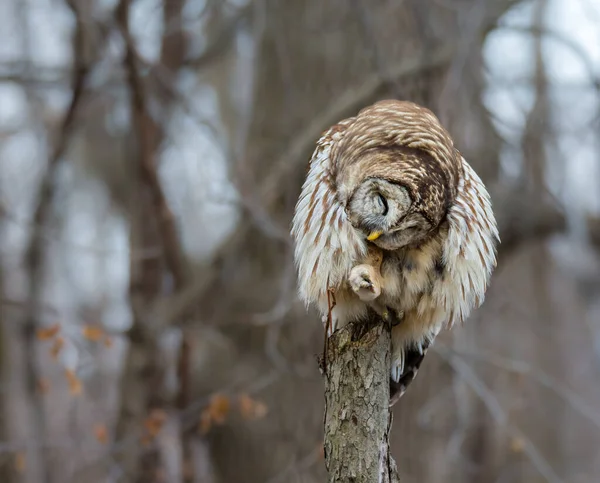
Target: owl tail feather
(411, 361)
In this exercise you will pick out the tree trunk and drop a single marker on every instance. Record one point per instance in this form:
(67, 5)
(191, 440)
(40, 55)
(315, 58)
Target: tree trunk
(357, 412)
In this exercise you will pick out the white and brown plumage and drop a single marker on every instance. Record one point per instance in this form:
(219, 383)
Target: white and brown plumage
(391, 216)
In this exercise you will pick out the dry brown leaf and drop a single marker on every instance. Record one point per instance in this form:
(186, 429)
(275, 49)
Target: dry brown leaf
(75, 385)
(101, 433)
(92, 332)
(215, 413)
(57, 346)
(219, 408)
(260, 410)
(251, 408)
(245, 404)
(108, 342)
(154, 422)
(20, 462)
(47, 333)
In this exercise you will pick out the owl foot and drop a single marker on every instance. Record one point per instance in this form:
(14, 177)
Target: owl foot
(362, 280)
(392, 317)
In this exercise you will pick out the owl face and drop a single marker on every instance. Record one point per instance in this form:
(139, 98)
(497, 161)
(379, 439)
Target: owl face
(383, 211)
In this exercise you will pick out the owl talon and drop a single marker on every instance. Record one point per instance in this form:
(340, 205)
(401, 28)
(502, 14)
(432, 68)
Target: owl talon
(361, 281)
(392, 317)
(396, 372)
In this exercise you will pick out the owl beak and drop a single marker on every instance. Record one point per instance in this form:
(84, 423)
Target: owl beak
(374, 235)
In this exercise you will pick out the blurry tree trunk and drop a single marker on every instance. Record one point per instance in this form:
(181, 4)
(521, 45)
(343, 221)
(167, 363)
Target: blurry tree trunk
(34, 256)
(357, 412)
(37, 419)
(152, 229)
(537, 148)
(5, 460)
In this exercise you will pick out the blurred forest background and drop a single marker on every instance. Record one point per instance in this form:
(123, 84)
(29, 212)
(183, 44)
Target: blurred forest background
(151, 153)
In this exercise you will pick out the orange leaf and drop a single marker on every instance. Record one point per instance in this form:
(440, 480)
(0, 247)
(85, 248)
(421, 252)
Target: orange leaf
(74, 382)
(57, 346)
(154, 422)
(20, 462)
(219, 408)
(101, 433)
(92, 332)
(47, 333)
(251, 408)
(260, 410)
(245, 405)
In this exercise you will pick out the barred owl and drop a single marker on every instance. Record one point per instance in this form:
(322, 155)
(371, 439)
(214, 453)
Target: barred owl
(392, 217)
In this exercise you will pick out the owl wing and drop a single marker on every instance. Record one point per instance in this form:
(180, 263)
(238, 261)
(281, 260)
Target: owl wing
(325, 243)
(469, 251)
(469, 255)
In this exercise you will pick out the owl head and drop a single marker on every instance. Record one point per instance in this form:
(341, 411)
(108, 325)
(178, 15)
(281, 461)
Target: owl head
(397, 173)
(383, 211)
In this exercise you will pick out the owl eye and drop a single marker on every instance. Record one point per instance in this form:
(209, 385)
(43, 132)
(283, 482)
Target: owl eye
(383, 204)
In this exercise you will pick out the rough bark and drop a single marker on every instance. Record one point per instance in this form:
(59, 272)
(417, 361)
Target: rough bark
(357, 413)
